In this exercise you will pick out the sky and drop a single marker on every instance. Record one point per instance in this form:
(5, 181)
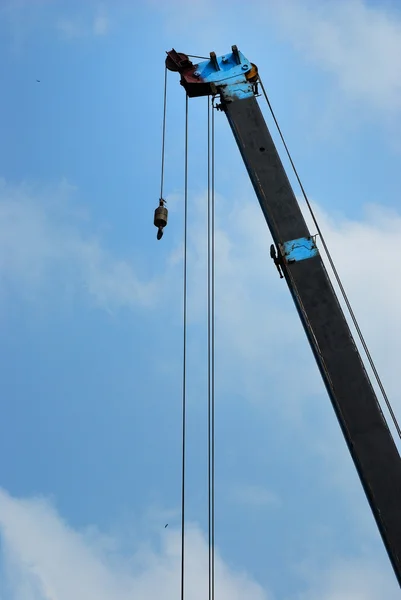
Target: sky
(91, 303)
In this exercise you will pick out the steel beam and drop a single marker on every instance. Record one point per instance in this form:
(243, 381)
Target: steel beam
(354, 401)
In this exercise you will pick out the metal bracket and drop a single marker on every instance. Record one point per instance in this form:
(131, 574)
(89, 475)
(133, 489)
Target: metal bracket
(276, 260)
(299, 249)
(214, 61)
(236, 55)
(232, 76)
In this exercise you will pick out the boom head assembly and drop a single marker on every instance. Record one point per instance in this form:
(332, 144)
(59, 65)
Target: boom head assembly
(232, 75)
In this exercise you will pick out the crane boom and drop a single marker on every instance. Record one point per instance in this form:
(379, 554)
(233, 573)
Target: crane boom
(364, 427)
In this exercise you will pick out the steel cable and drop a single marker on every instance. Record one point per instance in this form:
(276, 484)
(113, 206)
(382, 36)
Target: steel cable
(184, 362)
(209, 397)
(164, 133)
(210, 328)
(212, 358)
(196, 56)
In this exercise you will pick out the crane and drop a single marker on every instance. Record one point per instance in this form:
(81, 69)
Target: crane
(234, 80)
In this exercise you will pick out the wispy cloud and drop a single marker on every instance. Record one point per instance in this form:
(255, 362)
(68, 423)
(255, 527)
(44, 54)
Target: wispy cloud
(43, 246)
(21, 18)
(77, 27)
(249, 286)
(255, 496)
(349, 580)
(101, 23)
(46, 246)
(356, 42)
(71, 28)
(45, 559)
(256, 320)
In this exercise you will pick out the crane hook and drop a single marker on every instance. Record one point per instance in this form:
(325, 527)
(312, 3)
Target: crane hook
(160, 220)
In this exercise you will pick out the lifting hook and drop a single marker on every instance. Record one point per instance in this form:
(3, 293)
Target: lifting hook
(160, 220)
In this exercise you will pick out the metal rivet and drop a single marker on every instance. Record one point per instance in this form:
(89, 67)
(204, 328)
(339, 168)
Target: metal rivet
(197, 74)
(244, 68)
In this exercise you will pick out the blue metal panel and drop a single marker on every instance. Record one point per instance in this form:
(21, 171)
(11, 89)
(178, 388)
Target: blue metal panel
(225, 71)
(300, 249)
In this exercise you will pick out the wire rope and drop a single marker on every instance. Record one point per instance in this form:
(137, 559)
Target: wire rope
(164, 133)
(211, 321)
(209, 338)
(184, 362)
(212, 357)
(195, 56)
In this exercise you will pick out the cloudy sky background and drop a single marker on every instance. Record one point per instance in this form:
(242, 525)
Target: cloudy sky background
(90, 302)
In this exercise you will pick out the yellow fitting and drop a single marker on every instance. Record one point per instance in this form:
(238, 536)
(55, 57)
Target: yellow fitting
(252, 75)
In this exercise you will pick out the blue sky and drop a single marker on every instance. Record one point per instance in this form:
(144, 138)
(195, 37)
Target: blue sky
(90, 302)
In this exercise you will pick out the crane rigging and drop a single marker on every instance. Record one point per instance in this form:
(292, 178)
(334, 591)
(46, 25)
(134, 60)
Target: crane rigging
(234, 80)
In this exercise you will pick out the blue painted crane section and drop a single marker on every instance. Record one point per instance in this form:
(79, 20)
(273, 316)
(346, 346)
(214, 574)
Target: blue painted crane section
(300, 249)
(228, 73)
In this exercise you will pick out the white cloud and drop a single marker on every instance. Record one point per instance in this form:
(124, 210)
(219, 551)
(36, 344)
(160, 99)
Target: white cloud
(263, 350)
(356, 42)
(100, 23)
(21, 17)
(255, 496)
(47, 560)
(78, 27)
(351, 580)
(263, 354)
(45, 251)
(366, 255)
(43, 246)
(261, 344)
(43, 558)
(70, 28)
(256, 316)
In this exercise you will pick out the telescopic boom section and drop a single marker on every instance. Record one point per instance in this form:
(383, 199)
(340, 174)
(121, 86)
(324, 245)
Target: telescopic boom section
(368, 437)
